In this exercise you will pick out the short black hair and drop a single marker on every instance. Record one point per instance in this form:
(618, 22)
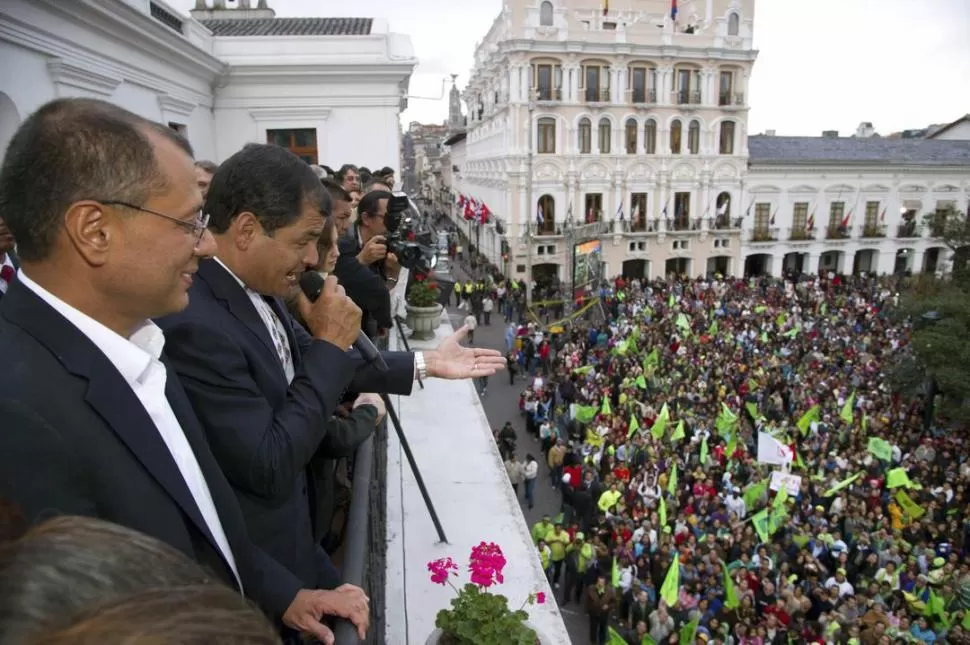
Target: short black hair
(268, 181)
(71, 150)
(336, 191)
(369, 203)
(386, 171)
(378, 183)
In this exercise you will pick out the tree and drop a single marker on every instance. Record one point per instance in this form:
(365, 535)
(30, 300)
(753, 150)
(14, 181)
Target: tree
(940, 313)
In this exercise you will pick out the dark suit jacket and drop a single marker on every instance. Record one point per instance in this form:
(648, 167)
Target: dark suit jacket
(364, 284)
(74, 439)
(264, 431)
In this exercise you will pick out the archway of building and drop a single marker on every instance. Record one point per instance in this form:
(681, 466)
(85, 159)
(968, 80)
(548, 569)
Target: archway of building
(719, 265)
(757, 264)
(636, 269)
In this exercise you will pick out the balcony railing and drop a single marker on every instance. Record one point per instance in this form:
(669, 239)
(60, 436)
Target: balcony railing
(548, 93)
(801, 234)
(642, 96)
(908, 229)
(726, 223)
(643, 225)
(546, 229)
(686, 97)
(763, 234)
(836, 233)
(596, 95)
(873, 230)
(442, 421)
(730, 99)
(683, 223)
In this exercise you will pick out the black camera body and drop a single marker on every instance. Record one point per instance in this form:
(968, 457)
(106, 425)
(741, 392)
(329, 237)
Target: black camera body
(412, 255)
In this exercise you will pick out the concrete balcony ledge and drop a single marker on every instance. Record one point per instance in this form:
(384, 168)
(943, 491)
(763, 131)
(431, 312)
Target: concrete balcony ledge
(459, 461)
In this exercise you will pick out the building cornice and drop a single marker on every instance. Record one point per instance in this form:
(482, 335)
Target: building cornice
(323, 103)
(356, 74)
(296, 113)
(81, 77)
(760, 167)
(657, 51)
(31, 38)
(169, 104)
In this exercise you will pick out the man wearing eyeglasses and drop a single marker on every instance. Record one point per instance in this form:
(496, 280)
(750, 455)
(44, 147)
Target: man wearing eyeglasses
(111, 234)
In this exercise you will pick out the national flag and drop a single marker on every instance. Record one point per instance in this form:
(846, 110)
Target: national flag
(771, 221)
(606, 7)
(540, 218)
(673, 9)
(569, 212)
(846, 219)
(882, 217)
(484, 214)
(810, 223)
(619, 212)
(589, 215)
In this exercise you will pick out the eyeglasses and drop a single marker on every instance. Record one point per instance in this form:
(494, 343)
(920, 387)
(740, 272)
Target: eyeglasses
(196, 228)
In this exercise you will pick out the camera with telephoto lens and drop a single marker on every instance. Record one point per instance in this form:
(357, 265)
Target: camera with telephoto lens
(415, 255)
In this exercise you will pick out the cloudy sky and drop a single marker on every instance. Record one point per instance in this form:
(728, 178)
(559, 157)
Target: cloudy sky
(823, 64)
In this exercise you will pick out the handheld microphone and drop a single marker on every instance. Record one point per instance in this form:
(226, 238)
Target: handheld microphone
(311, 283)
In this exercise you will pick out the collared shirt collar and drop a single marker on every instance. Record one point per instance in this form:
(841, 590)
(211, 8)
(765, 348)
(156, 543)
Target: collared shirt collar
(131, 356)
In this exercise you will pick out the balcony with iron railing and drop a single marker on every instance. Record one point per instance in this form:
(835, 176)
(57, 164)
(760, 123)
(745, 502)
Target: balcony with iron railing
(685, 97)
(640, 226)
(873, 230)
(801, 234)
(683, 224)
(596, 94)
(907, 230)
(761, 234)
(548, 94)
(836, 232)
(730, 99)
(726, 223)
(641, 96)
(453, 446)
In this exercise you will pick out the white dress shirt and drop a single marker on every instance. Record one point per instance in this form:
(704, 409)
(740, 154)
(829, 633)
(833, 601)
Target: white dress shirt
(137, 360)
(7, 262)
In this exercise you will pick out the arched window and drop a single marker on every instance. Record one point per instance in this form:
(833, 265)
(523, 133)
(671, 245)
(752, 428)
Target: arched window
(605, 134)
(723, 210)
(726, 143)
(631, 136)
(734, 24)
(650, 137)
(546, 130)
(546, 214)
(585, 136)
(675, 129)
(545, 14)
(694, 137)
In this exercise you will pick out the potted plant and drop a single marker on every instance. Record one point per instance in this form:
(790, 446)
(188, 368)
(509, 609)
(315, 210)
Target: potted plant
(477, 617)
(421, 301)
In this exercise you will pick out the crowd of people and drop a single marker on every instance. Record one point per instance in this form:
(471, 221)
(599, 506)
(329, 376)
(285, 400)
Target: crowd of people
(673, 527)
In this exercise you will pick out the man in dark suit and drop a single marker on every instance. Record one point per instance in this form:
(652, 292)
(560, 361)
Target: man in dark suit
(264, 387)
(8, 259)
(110, 235)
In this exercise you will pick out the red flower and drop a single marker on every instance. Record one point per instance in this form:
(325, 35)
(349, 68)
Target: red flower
(486, 564)
(540, 597)
(441, 569)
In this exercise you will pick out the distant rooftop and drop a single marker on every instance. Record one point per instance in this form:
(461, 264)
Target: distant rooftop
(876, 151)
(290, 27)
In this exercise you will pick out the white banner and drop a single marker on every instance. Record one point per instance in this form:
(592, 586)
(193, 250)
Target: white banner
(772, 451)
(792, 483)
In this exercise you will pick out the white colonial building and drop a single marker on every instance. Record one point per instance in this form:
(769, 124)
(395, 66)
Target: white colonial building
(617, 116)
(330, 89)
(851, 204)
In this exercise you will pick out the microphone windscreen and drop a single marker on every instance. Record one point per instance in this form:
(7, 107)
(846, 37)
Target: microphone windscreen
(311, 283)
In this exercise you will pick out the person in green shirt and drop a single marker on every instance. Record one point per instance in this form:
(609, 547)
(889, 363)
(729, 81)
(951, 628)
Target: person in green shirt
(558, 540)
(541, 528)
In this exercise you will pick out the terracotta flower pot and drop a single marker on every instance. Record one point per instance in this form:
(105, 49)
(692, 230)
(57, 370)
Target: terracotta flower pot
(423, 321)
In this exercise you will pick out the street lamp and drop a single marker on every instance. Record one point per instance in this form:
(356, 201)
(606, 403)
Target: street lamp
(567, 236)
(527, 216)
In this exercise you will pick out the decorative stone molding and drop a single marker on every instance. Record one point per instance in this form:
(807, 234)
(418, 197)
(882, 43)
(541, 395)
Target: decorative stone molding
(173, 105)
(283, 113)
(71, 75)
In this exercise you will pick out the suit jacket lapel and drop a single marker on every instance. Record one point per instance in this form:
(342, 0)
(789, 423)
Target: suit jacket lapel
(107, 393)
(226, 288)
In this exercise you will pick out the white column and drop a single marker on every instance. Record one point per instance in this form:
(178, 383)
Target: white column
(614, 85)
(885, 261)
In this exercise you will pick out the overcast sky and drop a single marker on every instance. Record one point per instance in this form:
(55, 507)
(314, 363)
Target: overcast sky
(823, 64)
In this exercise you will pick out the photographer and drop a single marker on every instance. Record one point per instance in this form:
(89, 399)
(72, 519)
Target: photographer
(365, 268)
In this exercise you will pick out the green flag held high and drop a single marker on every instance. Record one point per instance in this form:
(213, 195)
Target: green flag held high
(652, 360)
(670, 590)
(911, 508)
(732, 445)
(660, 423)
(671, 301)
(880, 448)
(583, 370)
(845, 483)
(704, 451)
(662, 511)
(726, 420)
(781, 498)
(678, 432)
(683, 324)
(760, 522)
(688, 632)
(633, 427)
(615, 575)
(613, 637)
(641, 382)
(605, 409)
(752, 409)
(848, 413)
(712, 329)
(805, 423)
(672, 482)
(731, 600)
(897, 477)
(620, 349)
(753, 493)
(586, 413)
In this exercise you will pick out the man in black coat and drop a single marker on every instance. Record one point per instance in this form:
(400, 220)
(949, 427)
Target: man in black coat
(94, 422)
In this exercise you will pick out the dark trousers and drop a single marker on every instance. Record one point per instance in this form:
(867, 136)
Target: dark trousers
(572, 587)
(557, 571)
(598, 628)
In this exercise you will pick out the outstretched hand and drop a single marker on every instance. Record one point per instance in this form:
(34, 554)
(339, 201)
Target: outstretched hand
(454, 361)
